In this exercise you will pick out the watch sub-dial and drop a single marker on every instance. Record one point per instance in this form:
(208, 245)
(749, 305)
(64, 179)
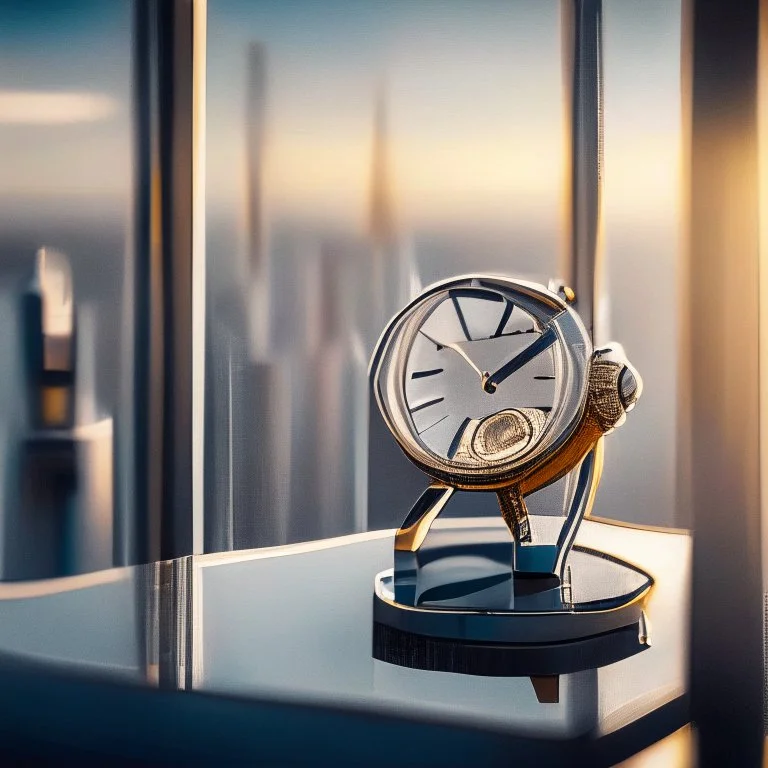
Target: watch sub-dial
(507, 433)
(501, 436)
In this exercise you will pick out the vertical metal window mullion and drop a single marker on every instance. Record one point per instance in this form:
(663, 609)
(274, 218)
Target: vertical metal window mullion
(580, 264)
(163, 345)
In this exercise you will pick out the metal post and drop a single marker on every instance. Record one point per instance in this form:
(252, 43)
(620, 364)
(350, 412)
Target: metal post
(581, 22)
(163, 343)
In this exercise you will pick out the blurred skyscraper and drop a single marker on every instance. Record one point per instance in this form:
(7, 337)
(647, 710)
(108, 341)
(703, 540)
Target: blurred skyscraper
(381, 223)
(258, 272)
(246, 401)
(288, 341)
(353, 285)
(392, 281)
(393, 277)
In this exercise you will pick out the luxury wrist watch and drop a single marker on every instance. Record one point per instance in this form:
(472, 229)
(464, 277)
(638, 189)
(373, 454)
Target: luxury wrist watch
(489, 383)
(492, 383)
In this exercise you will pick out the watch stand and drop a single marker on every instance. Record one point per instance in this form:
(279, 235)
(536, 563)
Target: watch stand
(488, 383)
(456, 602)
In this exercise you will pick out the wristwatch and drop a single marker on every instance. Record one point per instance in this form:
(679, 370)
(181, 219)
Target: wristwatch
(491, 383)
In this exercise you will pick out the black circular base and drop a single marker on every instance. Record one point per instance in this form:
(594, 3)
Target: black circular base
(503, 625)
(407, 649)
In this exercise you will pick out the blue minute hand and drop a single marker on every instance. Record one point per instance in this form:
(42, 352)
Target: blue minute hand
(546, 340)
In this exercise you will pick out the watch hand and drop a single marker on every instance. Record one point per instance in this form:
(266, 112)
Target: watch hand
(456, 348)
(546, 340)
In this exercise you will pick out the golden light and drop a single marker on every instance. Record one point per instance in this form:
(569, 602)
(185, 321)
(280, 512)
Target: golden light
(54, 108)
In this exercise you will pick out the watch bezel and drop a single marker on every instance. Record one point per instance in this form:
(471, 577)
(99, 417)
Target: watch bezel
(574, 351)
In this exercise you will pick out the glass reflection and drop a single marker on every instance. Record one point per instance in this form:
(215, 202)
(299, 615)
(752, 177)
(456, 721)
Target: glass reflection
(238, 623)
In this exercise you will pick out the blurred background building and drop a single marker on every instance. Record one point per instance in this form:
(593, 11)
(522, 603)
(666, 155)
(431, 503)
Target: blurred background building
(66, 183)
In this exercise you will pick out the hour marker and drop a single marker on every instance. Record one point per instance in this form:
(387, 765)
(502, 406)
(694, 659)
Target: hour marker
(457, 438)
(423, 374)
(544, 378)
(426, 404)
(461, 317)
(503, 321)
(476, 293)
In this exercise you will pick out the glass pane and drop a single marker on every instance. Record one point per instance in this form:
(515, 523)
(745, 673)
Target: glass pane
(65, 209)
(355, 154)
(642, 231)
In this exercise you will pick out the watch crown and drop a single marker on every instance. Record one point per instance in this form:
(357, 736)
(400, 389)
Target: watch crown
(629, 384)
(628, 388)
(564, 291)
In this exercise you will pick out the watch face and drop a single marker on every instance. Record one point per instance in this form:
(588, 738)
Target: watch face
(479, 375)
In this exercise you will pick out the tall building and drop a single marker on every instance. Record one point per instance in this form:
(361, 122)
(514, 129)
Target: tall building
(381, 223)
(248, 411)
(390, 265)
(287, 388)
(258, 254)
(246, 444)
(392, 482)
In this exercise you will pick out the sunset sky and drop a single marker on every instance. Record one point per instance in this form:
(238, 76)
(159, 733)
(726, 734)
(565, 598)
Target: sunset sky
(474, 92)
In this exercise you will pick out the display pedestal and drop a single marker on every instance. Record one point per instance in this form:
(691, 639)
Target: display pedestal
(460, 608)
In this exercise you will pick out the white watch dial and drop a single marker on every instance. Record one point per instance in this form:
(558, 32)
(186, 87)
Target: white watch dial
(476, 354)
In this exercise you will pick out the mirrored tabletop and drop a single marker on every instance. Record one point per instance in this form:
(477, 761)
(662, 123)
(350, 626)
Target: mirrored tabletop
(294, 624)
